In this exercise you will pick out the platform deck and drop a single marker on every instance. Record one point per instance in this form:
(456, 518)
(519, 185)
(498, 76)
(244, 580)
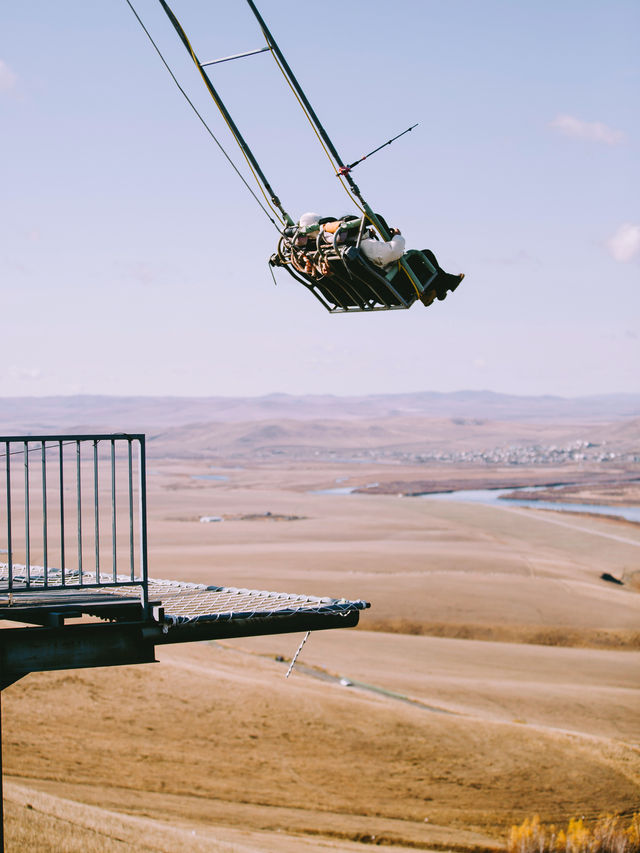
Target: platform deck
(173, 602)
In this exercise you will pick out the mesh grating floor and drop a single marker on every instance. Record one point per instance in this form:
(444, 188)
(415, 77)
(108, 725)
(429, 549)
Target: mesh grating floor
(194, 603)
(181, 602)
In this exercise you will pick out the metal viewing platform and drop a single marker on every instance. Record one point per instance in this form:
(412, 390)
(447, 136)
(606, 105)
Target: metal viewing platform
(83, 497)
(74, 584)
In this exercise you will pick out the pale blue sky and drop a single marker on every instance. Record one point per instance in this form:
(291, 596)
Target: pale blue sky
(133, 261)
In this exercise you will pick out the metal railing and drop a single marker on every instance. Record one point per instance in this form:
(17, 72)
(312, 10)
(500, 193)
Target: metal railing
(83, 521)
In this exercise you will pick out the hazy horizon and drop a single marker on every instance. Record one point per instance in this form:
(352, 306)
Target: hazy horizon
(337, 395)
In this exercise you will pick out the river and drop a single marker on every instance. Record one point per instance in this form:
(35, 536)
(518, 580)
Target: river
(493, 497)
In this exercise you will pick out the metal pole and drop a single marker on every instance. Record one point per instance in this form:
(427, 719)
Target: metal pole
(62, 555)
(113, 509)
(45, 543)
(235, 56)
(312, 114)
(96, 510)
(9, 538)
(79, 510)
(342, 168)
(142, 482)
(379, 148)
(132, 561)
(227, 117)
(26, 514)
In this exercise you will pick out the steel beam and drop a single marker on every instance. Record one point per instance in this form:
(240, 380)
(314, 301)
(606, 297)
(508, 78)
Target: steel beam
(190, 632)
(40, 649)
(25, 650)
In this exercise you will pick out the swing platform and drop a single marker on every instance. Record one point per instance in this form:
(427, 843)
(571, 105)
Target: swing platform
(344, 281)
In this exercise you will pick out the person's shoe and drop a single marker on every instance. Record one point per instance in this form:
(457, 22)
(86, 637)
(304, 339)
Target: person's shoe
(428, 297)
(459, 277)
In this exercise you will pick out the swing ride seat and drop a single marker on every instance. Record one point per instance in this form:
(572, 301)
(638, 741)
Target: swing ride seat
(350, 283)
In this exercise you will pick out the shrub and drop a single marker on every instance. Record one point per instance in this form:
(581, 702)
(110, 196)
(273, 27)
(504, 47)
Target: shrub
(607, 835)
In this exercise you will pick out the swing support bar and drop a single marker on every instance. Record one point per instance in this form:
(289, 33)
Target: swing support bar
(238, 56)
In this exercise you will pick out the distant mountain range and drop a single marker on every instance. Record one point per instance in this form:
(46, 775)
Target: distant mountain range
(33, 415)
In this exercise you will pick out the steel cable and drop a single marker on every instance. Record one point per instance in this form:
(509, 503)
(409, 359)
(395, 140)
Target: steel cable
(206, 126)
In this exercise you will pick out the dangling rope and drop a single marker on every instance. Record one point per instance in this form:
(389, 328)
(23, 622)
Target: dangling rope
(295, 657)
(206, 126)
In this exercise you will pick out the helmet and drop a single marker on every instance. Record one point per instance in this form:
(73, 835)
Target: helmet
(308, 219)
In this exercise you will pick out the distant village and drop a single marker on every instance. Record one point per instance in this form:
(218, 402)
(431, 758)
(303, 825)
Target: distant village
(536, 454)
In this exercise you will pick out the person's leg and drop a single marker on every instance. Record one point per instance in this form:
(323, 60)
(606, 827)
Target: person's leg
(444, 281)
(429, 254)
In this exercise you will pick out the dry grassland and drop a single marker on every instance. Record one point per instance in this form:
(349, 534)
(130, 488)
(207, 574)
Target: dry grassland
(438, 743)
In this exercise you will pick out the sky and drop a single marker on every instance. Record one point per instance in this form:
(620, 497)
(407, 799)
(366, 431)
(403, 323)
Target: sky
(134, 261)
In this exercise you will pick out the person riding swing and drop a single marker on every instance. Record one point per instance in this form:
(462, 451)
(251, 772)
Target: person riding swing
(322, 249)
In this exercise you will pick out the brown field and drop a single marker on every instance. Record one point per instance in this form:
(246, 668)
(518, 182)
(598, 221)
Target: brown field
(496, 676)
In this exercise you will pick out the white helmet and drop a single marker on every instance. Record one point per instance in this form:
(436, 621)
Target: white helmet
(308, 219)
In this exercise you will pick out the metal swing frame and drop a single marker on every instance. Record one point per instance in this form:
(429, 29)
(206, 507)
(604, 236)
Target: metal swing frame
(356, 285)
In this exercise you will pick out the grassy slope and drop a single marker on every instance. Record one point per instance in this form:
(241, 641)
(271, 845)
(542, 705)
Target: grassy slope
(215, 737)
(210, 735)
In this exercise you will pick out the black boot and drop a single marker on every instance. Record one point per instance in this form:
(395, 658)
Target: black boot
(444, 282)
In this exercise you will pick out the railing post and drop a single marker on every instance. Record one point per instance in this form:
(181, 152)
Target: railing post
(7, 445)
(79, 510)
(142, 488)
(61, 483)
(45, 544)
(96, 509)
(113, 511)
(27, 531)
(132, 561)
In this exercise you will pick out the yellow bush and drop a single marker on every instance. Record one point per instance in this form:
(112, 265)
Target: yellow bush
(607, 835)
(633, 832)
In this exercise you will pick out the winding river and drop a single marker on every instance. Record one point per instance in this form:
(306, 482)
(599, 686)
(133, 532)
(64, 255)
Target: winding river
(493, 497)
